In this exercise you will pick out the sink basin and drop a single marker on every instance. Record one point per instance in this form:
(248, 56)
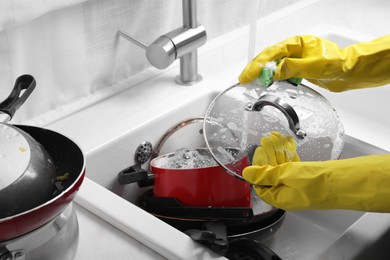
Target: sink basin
(303, 235)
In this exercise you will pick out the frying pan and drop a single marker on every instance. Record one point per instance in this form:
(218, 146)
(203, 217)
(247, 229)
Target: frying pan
(258, 225)
(69, 163)
(27, 172)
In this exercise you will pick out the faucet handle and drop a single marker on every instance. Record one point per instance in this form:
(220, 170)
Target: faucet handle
(160, 53)
(171, 46)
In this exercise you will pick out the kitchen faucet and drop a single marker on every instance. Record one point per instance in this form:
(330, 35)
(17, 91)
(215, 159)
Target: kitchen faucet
(182, 43)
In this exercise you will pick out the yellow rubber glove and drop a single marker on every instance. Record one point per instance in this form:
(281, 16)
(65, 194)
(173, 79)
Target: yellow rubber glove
(361, 183)
(323, 63)
(276, 149)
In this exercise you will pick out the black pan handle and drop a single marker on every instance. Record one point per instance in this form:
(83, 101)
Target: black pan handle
(246, 248)
(23, 87)
(131, 174)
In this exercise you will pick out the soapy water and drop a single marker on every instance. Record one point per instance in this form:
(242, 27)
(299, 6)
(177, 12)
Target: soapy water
(186, 159)
(196, 158)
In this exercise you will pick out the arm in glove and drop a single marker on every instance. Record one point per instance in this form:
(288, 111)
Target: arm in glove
(361, 183)
(323, 63)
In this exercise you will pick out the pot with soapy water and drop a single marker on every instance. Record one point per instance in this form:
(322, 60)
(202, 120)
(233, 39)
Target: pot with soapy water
(191, 175)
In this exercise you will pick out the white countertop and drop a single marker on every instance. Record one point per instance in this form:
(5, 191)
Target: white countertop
(100, 240)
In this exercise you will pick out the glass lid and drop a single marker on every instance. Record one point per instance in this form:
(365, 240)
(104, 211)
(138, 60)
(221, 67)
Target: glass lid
(249, 112)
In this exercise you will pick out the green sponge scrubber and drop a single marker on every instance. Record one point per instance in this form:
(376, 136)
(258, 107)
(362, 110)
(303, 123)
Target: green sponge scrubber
(266, 77)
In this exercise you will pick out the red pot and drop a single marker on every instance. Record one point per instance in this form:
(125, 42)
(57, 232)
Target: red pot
(201, 187)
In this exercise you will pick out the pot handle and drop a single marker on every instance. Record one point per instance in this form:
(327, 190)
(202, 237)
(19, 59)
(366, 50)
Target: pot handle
(285, 108)
(135, 174)
(22, 89)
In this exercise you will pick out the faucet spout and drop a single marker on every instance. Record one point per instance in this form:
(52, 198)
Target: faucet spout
(181, 43)
(189, 62)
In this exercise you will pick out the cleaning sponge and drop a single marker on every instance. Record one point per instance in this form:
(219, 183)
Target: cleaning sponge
(266, 77)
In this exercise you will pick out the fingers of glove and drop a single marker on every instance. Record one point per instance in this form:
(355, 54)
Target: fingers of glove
(291, 149)
(260, 175)
(276, 149)
(279, 147)
(260, 156)
(295, 157)
(289, 47)
(251, 71)
(319, 59)
(267, 144)
(283, 197)
(314, 67)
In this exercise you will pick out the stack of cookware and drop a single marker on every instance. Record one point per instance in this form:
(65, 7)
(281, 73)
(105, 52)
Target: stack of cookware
(40, 173)
(196, 167)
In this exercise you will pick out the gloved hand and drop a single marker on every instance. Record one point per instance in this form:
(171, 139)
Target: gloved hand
(275, 149)
(360, 183)
(323, 63)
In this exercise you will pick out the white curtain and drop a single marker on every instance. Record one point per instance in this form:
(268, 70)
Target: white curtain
(71, 47)
(15, 12)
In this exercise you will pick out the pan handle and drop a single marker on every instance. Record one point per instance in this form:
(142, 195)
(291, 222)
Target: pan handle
(23, 87)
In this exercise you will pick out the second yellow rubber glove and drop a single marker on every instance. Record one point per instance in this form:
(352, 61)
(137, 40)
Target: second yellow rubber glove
(323, 63)
(275, 149)
(360, 183)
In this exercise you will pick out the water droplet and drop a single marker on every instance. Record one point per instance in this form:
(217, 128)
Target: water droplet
(292, 93)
